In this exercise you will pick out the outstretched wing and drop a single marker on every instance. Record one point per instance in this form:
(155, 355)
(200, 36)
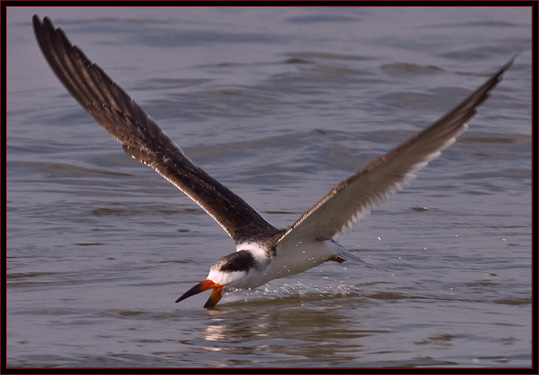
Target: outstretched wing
(354, 198)
(140, 136)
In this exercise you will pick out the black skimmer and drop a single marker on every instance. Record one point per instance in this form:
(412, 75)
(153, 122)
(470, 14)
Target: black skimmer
(263, 252)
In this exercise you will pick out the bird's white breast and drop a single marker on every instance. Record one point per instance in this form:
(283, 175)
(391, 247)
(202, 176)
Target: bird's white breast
(299, 257)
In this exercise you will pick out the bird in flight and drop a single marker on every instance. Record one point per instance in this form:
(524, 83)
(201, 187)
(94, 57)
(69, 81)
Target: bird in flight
(263, 252)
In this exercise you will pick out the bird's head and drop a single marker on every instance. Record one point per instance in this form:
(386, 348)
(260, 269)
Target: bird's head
(230, 271)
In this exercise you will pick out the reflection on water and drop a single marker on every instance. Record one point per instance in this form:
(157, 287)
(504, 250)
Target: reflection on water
(290, 333)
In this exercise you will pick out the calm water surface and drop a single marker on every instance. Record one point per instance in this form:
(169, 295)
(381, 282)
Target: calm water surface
(279, 104)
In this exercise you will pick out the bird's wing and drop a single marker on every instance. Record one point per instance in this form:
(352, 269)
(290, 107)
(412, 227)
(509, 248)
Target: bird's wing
(140, 136)
(354, 198)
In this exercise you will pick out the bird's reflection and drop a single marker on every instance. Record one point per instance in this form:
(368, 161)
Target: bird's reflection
(285, 327)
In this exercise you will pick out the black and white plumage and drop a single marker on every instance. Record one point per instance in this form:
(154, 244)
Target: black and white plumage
(264, 252)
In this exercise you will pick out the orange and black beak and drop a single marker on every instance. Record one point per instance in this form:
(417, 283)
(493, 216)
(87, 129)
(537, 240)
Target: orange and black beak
(203, 286)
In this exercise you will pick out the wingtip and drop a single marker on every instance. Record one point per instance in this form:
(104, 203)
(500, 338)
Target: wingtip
(508, 64)
(40, 24)
(36, 21)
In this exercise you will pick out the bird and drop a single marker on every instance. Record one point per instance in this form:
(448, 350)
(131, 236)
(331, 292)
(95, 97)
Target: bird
(263, 251)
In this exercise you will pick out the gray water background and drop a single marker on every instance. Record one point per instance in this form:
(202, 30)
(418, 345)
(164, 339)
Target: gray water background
(279, 104)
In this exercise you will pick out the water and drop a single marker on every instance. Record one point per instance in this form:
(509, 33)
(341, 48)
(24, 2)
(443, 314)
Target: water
(279, 104)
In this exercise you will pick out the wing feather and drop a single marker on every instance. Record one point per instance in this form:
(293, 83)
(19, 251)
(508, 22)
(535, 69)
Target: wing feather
(140, 136)
(354, 198)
